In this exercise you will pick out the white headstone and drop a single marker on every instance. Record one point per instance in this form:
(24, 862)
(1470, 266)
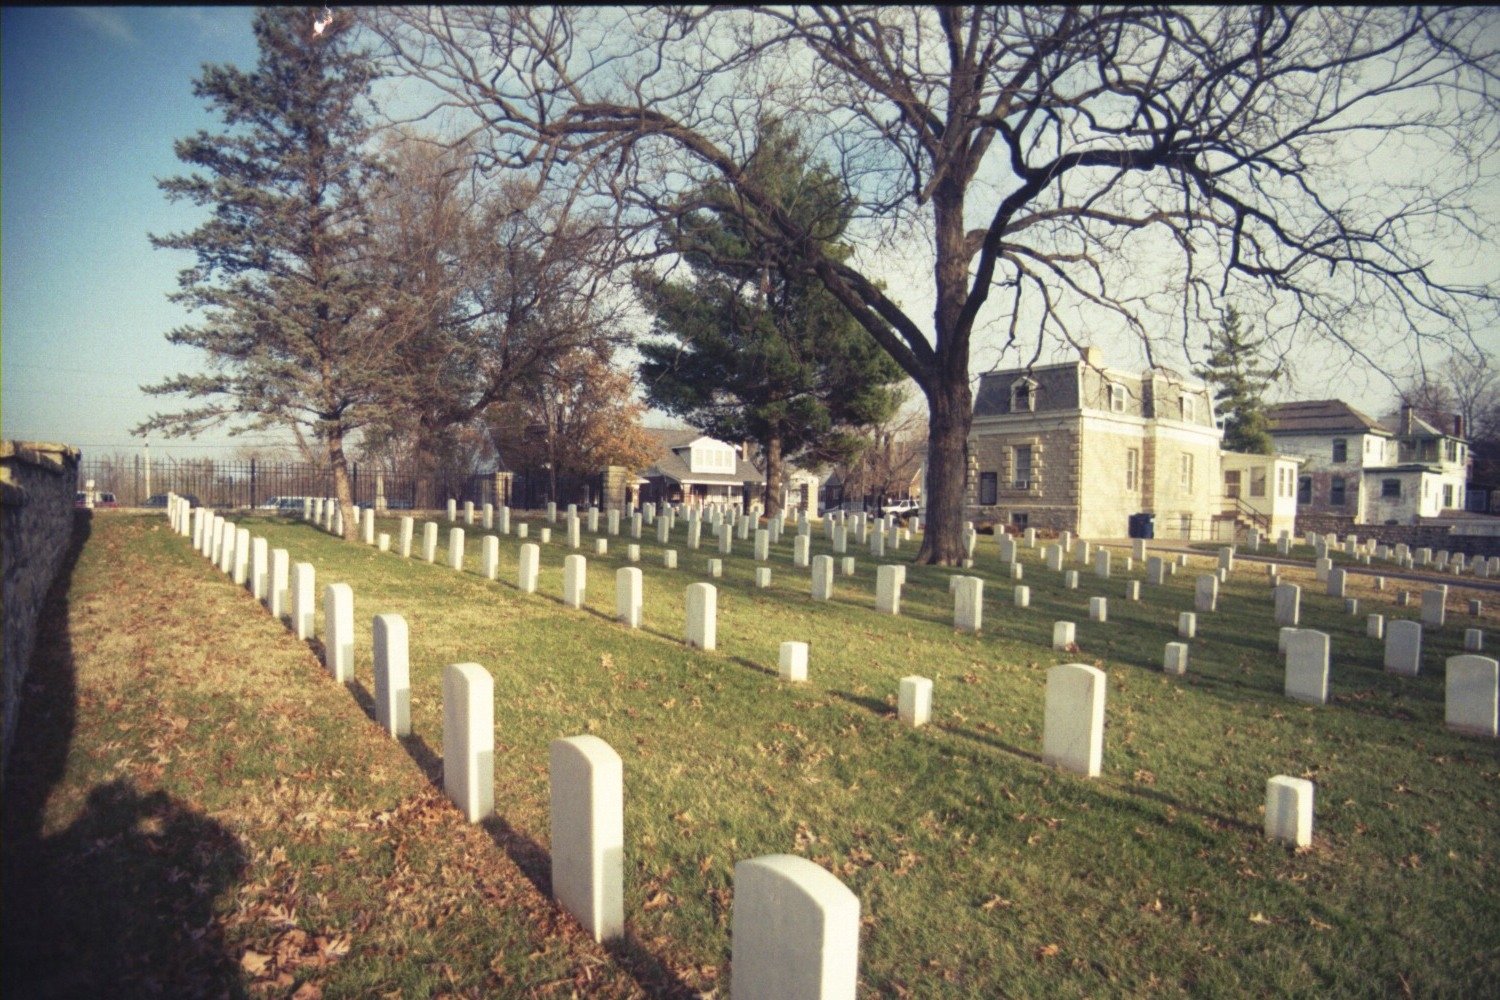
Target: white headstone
(407, 526)
(1307, 666)
(702, 615)
(669, 558)
(1206, 594)
(1403, 647)
(1472, 698)
(1021, 596)
(794, 932)
(716, 568)
(1175, 659)
(489, 557)
(1073, 723)
(1070, 579)
(968, 603)
(338, 631)
(1473, 640)
(914, 701)
(469, 739)
(628, 596)
(489, 517)
(762, 576)
(801, 547)
(1187, 624)
(1289, 810)
(276, 593)
(456, 549)
(575, 580)
(1099, 609)
(793, 661)
(1288, 604)
(429, 542)
(392, 675)
(588, 834)
(888, 582)
(260, 568)
(452, 510)
(1156, 571)
(1375, 626)
(1101, 564)
(528, 565)
(1434, 606)
(1336, 582)
(1133, 590)
(1064, 634)
(303, 600)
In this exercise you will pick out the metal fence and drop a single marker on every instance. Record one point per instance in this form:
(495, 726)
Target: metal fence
(242, 484)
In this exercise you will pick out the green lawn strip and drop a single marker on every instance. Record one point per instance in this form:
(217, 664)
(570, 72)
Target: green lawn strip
(227, 820)
(979, 869)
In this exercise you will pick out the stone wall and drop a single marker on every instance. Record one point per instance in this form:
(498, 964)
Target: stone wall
(1417, 537)
(37, 483)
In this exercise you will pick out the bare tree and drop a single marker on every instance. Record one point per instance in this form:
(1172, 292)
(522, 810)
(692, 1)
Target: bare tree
(1060, 166)
(892, 456)
(511, 282)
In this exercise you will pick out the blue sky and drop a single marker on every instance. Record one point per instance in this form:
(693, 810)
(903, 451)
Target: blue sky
(92, 101)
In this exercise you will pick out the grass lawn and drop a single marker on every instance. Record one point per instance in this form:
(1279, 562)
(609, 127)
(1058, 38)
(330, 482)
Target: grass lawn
(295, 847)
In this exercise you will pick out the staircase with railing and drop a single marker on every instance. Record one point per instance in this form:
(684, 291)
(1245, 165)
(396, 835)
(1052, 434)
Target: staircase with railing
(1244, 515)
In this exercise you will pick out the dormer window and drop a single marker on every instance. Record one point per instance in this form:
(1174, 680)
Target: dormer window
(1023, 396)
(1116, 398)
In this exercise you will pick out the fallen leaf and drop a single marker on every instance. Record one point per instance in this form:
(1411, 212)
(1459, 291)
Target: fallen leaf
(1259, 918)
(1047, 951)
(254, 963)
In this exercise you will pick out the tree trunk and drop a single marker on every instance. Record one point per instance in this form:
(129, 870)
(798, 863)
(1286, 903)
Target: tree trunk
(775, 472)
(951, 412)
(342, 489)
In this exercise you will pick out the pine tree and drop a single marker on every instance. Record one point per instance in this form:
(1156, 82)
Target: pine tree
(1240, 386)
(295, 328)
(755, 348)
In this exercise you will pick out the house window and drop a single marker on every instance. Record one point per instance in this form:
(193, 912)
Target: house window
(1021, 463)
(989, 483)
(1132, 469)
(1232, 483)
(1023, 396)
(1336, 491)
(1188, 409)
(1451, 449)
(1116, 398)
(1018, 519)
(1340, 450)
(1185, 522)
(1390, 489)
(1186, 477)
(1257, 482)
(1304, 489)
(1447, 496)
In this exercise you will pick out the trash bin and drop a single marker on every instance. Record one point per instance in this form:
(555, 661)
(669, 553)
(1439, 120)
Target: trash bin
(1142, 525)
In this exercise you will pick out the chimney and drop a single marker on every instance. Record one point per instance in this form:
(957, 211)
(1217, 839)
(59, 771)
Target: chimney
(1093, 357)
(1458, 425)
(1406, 427)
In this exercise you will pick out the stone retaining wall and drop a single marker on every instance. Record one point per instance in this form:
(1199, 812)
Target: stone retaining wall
(1416, 536)
(37, 483)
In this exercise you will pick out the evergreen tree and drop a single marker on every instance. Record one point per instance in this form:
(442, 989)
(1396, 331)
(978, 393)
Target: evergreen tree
(1240, 386)
(295, 328)
(755, 348)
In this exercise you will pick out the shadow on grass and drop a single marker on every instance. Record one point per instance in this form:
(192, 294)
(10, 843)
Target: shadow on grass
(535, 862)
(121, 901)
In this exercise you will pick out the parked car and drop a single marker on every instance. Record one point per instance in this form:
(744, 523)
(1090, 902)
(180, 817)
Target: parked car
(285, 505)
(101, 499)
(903, 509)
(160, 499)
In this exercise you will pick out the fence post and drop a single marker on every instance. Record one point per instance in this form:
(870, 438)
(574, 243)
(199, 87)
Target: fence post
(252, 482)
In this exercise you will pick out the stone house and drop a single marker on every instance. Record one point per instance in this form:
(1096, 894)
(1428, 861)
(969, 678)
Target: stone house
(1080, 447)
(1360, 470)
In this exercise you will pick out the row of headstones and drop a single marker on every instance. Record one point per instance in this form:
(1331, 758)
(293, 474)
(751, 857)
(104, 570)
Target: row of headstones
(795, 926)
(783, 903)
(1402, 554)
